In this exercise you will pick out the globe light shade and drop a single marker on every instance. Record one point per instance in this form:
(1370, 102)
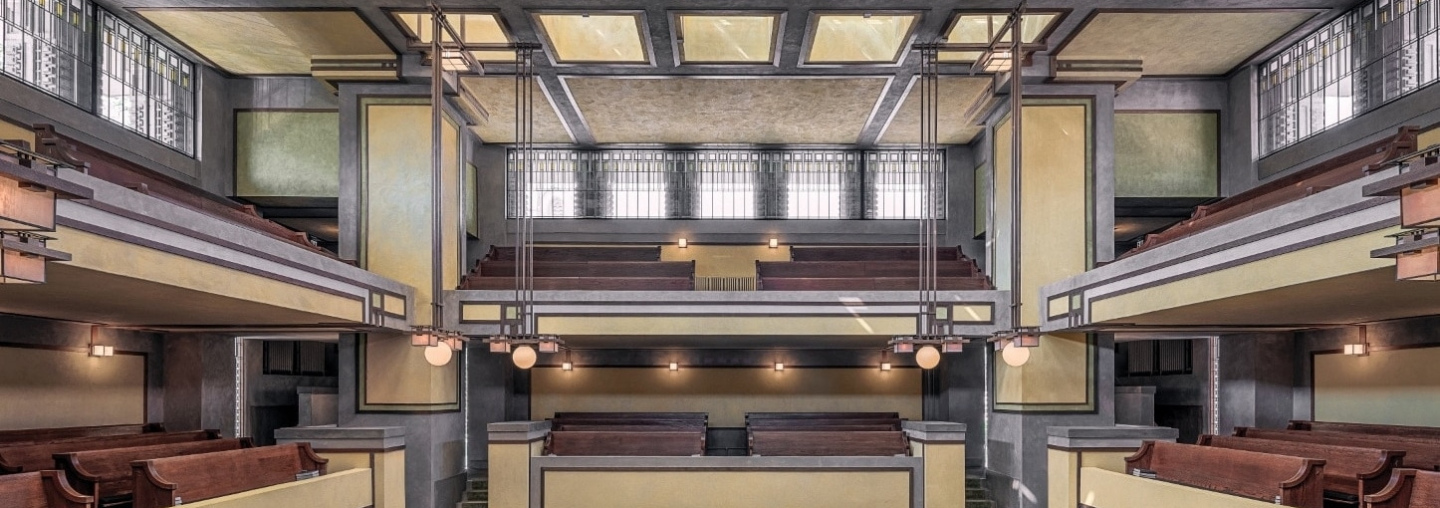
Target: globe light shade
(439, 355)
(1015, 356)
(524, 357)
(927, 357)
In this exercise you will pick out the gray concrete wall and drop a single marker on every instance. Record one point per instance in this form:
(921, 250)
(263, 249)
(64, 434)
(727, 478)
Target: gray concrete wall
(200, 382)
(272, 394)
(29, 331)
(1256, 380)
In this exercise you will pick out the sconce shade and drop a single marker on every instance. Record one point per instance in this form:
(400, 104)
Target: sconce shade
(683, 243)
(674, 366)
(1416, 253)
(499, 345)
(885, 366)
(27, 194)
(548, 346)
(904, 347)
(1027, 339)
(927, 357)
(1418, 186)
(774, 243)
(23, 257)
(567, 366)
(100, 351)
(779, 367)
(1420, 205)
(1357, 349)
(524, 357)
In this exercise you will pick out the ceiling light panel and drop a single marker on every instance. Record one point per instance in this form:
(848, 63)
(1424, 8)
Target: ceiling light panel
(473, 28)
(728, 38)
(602, 38)
(980, 28)
(858, 38)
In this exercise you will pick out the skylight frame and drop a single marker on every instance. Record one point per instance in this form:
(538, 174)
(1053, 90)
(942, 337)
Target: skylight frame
(415, 42)
(642, 29)
(776, 36)
(812, 28)
(1031, 48)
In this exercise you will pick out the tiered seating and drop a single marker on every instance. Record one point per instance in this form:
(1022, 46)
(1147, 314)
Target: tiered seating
(1279, 479)
(1342, 169)
(1408, 488)
(42, 489)
(1367, 428)
(627, 434)
(826, 434)
(1420, 453)
(118, 171)
(107, 475)
(40, 456)
(173, 481)
(881, 268)
(585, 268)
(1349, 472)
(12, 437)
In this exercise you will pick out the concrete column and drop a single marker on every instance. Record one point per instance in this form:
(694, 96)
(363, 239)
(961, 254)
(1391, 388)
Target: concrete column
(379, 449)
(1072, 448)
(1257, 382)
(512, 446)
(941, 445)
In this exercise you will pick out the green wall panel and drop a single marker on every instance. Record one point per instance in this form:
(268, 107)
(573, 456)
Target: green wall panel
(287, 153)
(1167, 154)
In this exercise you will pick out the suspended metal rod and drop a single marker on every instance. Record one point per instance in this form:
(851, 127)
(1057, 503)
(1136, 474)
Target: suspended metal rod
(1017, 105)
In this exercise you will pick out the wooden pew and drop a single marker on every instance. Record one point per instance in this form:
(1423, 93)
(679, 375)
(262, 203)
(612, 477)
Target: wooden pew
(653, 423)
(36, 457)
(752, 417)
(823, 443)
(642, 269)
(10, 437)
(1419, 453)
(669, 443)
(870, 253)
(1408, 488)
(1290, 481)
(626, 415)
(871, 284)
(585, 283)
(162, 482)
(564, 253)
(1348, 470)
(41, 489)
(857, 269)
(1367, 428)
(106, 474)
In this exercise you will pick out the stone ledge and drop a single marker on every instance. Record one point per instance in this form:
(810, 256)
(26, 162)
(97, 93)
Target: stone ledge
(333, 438)
(935, 432)
(518, 432)
(1115, 437)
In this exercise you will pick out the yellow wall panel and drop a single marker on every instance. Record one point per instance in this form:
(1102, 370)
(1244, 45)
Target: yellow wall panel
(345, 489)
(1400, 387)
(1100, 488)
(51, 388)
(10, 131)
(1058, 373)
(398, 197)
(396, 373)
(725, 393)
(1429, 138)
(287, 153)
(1054, 202)
(724, 260)
(451, 216)
(727, 489)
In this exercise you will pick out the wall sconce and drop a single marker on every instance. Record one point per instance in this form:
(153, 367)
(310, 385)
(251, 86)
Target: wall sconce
(885, 366)
(28, 193)
(23, 257)
(779, 367)
(683, 243)
(774, 243)
(953, 345)
(1418, 186)
(674, 367)
(885, 361)
(99, 351)
(1362, 347)
(1416, 253)
(568, 365)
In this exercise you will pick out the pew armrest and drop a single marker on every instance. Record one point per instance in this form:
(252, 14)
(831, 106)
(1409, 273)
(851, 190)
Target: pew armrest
(56, 485)
(1141, 458)
(1313, 469)
(312, 461)
(1397, 493)
(70, 464)
(145, 469)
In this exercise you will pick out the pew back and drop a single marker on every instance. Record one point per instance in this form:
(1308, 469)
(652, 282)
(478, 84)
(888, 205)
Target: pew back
(871, 284)
(870, 253)
(682, 269)
(1419, 453)
(561, 253)
(1291, 481)
(826, 424)
(189, 478)
(584, 283)
(36, 457)
(9, 437)
(668, 443)
(823, 443)
(753, 417)
(1367, 428)
(857, 269)
(107, 473)
(41, 489)
(1408, 488)
(631, 416)
(1349, 470)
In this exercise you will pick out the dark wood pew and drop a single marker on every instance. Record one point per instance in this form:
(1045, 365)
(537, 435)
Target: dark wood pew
(1348, 470)
(670, 443)
(41, 489)
(857, 269)
(871, 284)
(585, 283)
(828, 425)
(1279, 479)
(36, 457)
(818, 443)
(659, 423)
(1367, 428)
(1408, 488)
(751, 417)
(626, 415)
(190, 478)
(1419, 453)
(1341, 169)
(568, 253)
(870, 253)
(9, 437)
(106, 474)
(642, 269)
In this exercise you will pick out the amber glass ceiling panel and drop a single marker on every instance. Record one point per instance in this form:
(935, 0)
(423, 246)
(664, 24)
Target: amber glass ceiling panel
(474, 28)
(727, 38)
(595, 38)
(859, 38)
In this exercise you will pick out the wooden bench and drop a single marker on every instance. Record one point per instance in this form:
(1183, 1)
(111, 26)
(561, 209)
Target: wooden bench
(186, 479)
(1348, 470)
(41, 489)
(858, 269)
(1367, 428)
(826, 443)
(624, 415)
(870, 253)
(36, 457)
(1419, 453)
(752, 417)
(668, 443)
(644, 269)
(584, 283)
(564, 253)
(654, 423)
(106, 474)
(1279, 479)
(1408, 488)
(9, 437)
(871, 284)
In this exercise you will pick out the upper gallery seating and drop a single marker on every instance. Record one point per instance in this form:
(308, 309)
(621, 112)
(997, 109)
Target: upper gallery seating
(118, 171)
(1408, 488)
(1367, 428)
(1279, 479)
(826, 434)
(883, 268)
(173, 481)
(20, 436)
(627, 434)
(585, 268)
(42, 489)
(1341, 169)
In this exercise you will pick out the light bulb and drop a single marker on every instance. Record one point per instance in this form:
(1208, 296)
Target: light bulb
(1015, 356)
(927, 357)
(524, 357)
(439, 355)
